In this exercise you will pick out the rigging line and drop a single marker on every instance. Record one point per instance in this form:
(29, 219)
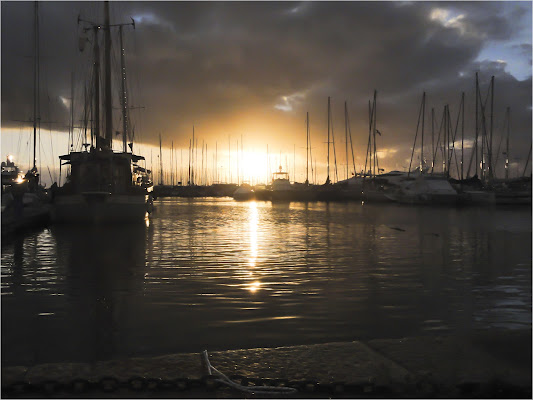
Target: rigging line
(527, 161)
(351, 143)
(416, 135)
(505, 122)
(311, 155)
(369, 146)
(438, 141)
(454, 137)
(375, 145)
(52, 147)
(334, 152)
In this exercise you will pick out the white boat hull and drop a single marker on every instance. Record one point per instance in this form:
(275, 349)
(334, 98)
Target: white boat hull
(100, 207)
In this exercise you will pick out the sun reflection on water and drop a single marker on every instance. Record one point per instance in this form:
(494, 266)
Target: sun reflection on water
(253, 220)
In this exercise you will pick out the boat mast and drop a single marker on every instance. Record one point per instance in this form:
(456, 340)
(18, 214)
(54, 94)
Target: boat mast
(507, 144)
(96, 80)
(268, 167)
(346, 135)
(307, 150)
(124, 96)
(160, 162)
(432, 139)
(294, 162)
(327, 179)
(374, 132)
(71, 127)
(35, 84)
(367, 161)
(107, 77)
(172, 163)
(420, 112)
(192, 157)
(422, 138)
(189, 174)
(351, 142)
(491, 175)
(477, 130)
(462, 136)
(527, 161)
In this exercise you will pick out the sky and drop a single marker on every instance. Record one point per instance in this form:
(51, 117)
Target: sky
(251, 70)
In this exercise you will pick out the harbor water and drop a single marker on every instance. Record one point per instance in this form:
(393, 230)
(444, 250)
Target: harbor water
(218, 274)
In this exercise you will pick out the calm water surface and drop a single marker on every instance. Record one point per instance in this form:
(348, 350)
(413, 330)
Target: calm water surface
(217, 274)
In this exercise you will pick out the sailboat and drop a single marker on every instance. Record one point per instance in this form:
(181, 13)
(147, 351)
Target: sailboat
(25, 203)
(104, 186)
(424, 188)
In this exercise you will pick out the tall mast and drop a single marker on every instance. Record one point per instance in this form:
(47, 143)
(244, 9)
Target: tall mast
(307, 150)
(172, 163)
(422, 138)
(268, 167)
(477, 130)
(107, 82)
(351, 142)
(491, 175)
(462, 135)
(35, 83)
(71, 127)
(189, 174)
(96, 79)
(346, 134)
(192, 157)
(432, 139)
(124, 97)
(327, 179)
(294, 163)
(376, 172)
(507, 143)
(527, 161)
(160, 162)
(85, 110)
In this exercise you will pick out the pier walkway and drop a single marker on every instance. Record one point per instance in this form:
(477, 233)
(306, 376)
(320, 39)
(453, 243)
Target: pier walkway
(478, 365)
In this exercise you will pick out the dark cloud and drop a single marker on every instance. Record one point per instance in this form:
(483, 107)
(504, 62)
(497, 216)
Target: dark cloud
(224, 66)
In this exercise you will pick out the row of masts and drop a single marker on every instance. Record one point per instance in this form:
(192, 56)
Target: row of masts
(484, 156)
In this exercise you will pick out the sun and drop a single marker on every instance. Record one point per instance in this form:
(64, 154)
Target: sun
(253, 168)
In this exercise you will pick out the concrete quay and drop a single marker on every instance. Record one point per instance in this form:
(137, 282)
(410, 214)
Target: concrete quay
(485, 364)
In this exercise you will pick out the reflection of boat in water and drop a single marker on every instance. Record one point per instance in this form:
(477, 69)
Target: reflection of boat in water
(244, 192)
(262, 192)
(103, 185)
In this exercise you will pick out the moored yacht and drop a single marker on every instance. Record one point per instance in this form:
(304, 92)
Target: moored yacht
(424, 189)
(244, 192)
(104, 186)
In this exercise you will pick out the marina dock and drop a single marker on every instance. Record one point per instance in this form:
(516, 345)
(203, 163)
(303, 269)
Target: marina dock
(482, 364)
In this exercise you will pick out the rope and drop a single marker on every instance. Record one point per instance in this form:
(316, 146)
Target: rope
(223, 379)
